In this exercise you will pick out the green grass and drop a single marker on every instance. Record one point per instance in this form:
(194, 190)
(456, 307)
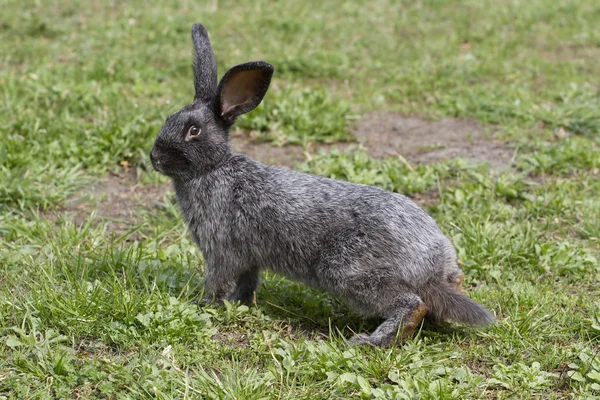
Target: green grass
(89, 312)
(299, 117)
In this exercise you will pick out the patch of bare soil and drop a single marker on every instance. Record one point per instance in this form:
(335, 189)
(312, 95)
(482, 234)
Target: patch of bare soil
(580, 53)
(282, 156)
(389, 135)
(422, 141)
(232, 338)
(116, 200)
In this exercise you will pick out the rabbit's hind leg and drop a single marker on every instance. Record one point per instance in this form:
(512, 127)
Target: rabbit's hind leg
(406, 316)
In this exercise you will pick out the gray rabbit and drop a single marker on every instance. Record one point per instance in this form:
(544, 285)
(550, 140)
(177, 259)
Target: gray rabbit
(377, 250)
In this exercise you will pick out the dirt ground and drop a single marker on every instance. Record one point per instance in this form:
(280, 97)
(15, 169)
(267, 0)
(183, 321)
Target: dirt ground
(388, 134)
(422, 141)
(116, 198)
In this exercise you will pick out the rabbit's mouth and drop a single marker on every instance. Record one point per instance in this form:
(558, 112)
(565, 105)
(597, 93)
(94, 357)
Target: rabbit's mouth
(157, 163)
(170, 162)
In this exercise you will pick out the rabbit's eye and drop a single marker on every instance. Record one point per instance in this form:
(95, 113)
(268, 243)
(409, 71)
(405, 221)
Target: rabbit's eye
(194, 130)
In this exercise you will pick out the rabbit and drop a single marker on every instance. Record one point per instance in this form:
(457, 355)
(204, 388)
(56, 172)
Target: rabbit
(376, 250)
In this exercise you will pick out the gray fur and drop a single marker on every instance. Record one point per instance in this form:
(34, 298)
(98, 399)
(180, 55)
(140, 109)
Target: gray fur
(377, 250)
(205, 65)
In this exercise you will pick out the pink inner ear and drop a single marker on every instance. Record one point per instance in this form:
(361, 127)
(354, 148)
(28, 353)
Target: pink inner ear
(239, 89)
(228, 109)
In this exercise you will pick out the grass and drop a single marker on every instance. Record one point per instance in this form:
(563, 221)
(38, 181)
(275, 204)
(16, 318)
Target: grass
(299, 117)
(87, 311)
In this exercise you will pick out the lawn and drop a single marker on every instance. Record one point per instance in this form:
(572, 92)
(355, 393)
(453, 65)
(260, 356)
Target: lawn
(487, 113)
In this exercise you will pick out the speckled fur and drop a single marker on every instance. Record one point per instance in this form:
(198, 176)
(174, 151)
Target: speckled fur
(377, 250)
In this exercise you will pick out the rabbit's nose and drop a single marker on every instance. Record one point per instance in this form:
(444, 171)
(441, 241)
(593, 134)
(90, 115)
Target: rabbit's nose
(154, 159)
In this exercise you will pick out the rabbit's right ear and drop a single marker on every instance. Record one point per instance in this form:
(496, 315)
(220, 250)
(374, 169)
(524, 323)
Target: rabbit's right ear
(205, 66)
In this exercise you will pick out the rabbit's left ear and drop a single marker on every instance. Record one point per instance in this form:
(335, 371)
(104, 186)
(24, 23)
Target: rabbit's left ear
(205, 66)
(242, 89)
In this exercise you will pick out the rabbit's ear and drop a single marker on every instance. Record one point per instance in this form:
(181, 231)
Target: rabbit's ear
(242, 88)
(205, 66)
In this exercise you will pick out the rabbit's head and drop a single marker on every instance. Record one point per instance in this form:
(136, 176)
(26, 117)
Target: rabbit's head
(195, 139)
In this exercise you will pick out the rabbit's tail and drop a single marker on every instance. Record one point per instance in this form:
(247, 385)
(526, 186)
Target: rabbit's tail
(446, 303)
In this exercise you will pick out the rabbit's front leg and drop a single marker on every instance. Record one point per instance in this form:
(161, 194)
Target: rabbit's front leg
(229, 279)
(221, 282)
(246, 286)
(217, 287)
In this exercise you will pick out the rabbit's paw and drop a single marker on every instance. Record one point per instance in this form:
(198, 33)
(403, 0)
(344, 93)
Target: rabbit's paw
(360, 339)
(203, 302)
